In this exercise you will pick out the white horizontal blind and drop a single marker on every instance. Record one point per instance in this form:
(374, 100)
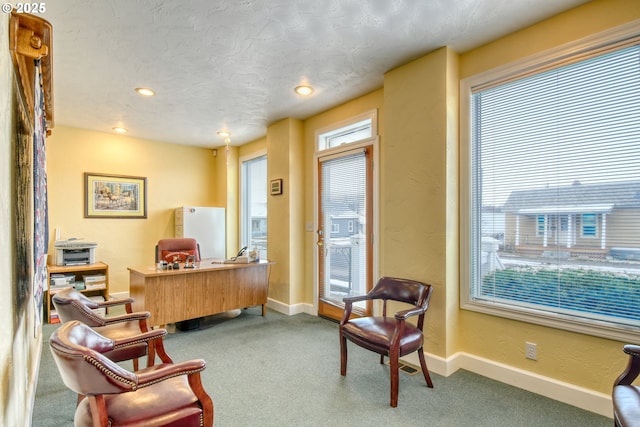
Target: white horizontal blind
(556, 191)
(343, 213)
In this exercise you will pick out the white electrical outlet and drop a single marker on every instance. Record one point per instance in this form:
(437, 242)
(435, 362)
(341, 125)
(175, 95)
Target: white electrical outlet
(531, 350)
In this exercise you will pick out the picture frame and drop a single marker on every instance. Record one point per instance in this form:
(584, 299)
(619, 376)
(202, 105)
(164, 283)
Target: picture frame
(275, 187)
(114, 196)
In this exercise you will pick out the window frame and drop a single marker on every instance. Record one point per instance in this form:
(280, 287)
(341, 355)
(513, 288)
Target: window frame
(575, 51)
(325, 134)
(245, 232)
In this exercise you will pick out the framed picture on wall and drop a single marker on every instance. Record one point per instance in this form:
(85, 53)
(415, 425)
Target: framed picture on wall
(114, 196)
(276, 187)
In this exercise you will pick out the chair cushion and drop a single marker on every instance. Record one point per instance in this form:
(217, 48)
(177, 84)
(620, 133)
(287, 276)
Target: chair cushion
(180, 256)
(626, 404)
(167, 403)
(375, 333)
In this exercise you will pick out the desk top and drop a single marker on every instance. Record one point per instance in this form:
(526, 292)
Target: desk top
(204, 265)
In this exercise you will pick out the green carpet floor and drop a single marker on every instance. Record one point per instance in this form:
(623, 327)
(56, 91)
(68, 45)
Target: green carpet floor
(285, 371)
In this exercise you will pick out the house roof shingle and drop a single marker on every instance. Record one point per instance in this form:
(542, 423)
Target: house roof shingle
(625, 194)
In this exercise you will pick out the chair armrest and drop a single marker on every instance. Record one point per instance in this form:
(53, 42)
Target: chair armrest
(632, 370)
(405, 314)
(348, 305)
(355, 298)
(138, 315)
(632, 350)
(127, 302)
(163, 372)
(115, 301)
(140, 338)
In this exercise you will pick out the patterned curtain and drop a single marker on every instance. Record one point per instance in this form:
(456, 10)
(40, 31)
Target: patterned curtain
(41, 219)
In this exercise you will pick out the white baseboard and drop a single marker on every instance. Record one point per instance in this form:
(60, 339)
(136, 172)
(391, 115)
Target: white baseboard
(570, 394)
(290, 310)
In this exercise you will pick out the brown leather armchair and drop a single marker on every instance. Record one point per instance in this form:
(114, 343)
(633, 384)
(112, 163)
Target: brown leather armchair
(389, 336)
(164, 394)
(177, 249)
(73, 305)
(626, 397)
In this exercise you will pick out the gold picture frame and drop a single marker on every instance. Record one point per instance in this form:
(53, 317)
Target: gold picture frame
(276, 187)
(114, 196)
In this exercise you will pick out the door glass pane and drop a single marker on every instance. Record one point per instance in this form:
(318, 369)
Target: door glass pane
(254, 205)
(343, 194)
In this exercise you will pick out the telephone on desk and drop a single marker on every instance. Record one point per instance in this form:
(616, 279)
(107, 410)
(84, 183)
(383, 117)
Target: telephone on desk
(244, 257)
(241, 258)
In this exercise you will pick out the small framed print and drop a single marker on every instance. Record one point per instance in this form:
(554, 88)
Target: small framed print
(276, 187)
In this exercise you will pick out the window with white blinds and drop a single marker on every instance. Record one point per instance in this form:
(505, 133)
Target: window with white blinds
(554, 193)
(253, 204)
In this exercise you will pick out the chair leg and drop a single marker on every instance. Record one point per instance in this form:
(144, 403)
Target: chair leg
(343, 356)
(135, 364)
(395, 378)
(98, 410)
(423, 365)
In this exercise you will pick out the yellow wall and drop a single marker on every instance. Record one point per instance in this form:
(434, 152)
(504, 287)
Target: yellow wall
(575, 358)
(415, 194)
(176, 175)
(284, 218)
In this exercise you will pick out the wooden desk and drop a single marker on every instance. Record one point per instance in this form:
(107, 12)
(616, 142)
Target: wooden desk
(210, 288)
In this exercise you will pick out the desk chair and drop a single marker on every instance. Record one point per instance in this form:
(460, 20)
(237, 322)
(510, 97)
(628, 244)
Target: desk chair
(626, 396)
(165, 394)
(388, 336)
(178, 248)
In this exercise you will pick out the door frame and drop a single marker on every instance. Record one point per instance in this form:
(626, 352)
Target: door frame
(374, 142)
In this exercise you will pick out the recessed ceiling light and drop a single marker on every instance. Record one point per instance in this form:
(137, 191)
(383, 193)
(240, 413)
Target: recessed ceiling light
(118, 129)
(304, 90)
(224, 133)
(144, 91)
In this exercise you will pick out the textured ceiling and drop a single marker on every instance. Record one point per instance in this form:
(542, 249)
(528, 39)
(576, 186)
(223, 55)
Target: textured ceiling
(233, 64)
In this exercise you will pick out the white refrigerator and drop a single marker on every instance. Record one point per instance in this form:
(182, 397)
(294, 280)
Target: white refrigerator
(206, 225)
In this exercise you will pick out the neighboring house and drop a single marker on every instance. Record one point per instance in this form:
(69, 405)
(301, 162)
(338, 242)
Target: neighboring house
(345, 224)
(574, 220)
